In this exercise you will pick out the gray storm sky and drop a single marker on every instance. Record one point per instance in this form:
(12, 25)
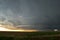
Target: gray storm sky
(42, 14)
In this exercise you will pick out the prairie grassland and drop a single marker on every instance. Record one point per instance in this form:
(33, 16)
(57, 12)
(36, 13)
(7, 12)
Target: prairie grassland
(29, 35)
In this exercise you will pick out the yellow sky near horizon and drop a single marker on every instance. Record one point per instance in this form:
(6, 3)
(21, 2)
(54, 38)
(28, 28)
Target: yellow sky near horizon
(6, 28)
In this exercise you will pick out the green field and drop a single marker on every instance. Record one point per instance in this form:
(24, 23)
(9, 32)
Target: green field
(29, 35)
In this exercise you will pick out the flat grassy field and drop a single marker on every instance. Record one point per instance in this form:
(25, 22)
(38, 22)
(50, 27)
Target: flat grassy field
(29, 35)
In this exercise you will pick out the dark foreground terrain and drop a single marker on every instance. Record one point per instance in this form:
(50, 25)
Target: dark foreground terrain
(29, 35)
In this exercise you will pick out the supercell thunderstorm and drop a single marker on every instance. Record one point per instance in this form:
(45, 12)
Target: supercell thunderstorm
(30, 14)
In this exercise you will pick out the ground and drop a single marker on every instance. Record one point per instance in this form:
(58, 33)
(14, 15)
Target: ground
(29, 35)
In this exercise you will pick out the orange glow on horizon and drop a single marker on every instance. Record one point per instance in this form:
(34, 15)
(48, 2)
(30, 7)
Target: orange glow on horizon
(3, 28)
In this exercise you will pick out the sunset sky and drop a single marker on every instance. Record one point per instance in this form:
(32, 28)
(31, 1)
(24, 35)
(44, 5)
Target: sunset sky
(31, 14)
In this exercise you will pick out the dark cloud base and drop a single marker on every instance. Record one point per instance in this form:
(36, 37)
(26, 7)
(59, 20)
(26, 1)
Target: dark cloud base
(31, 12)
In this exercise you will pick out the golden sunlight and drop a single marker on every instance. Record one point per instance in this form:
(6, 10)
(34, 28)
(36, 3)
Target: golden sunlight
(7, 28)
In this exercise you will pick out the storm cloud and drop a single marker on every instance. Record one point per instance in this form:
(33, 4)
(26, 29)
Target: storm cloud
(38, 14)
